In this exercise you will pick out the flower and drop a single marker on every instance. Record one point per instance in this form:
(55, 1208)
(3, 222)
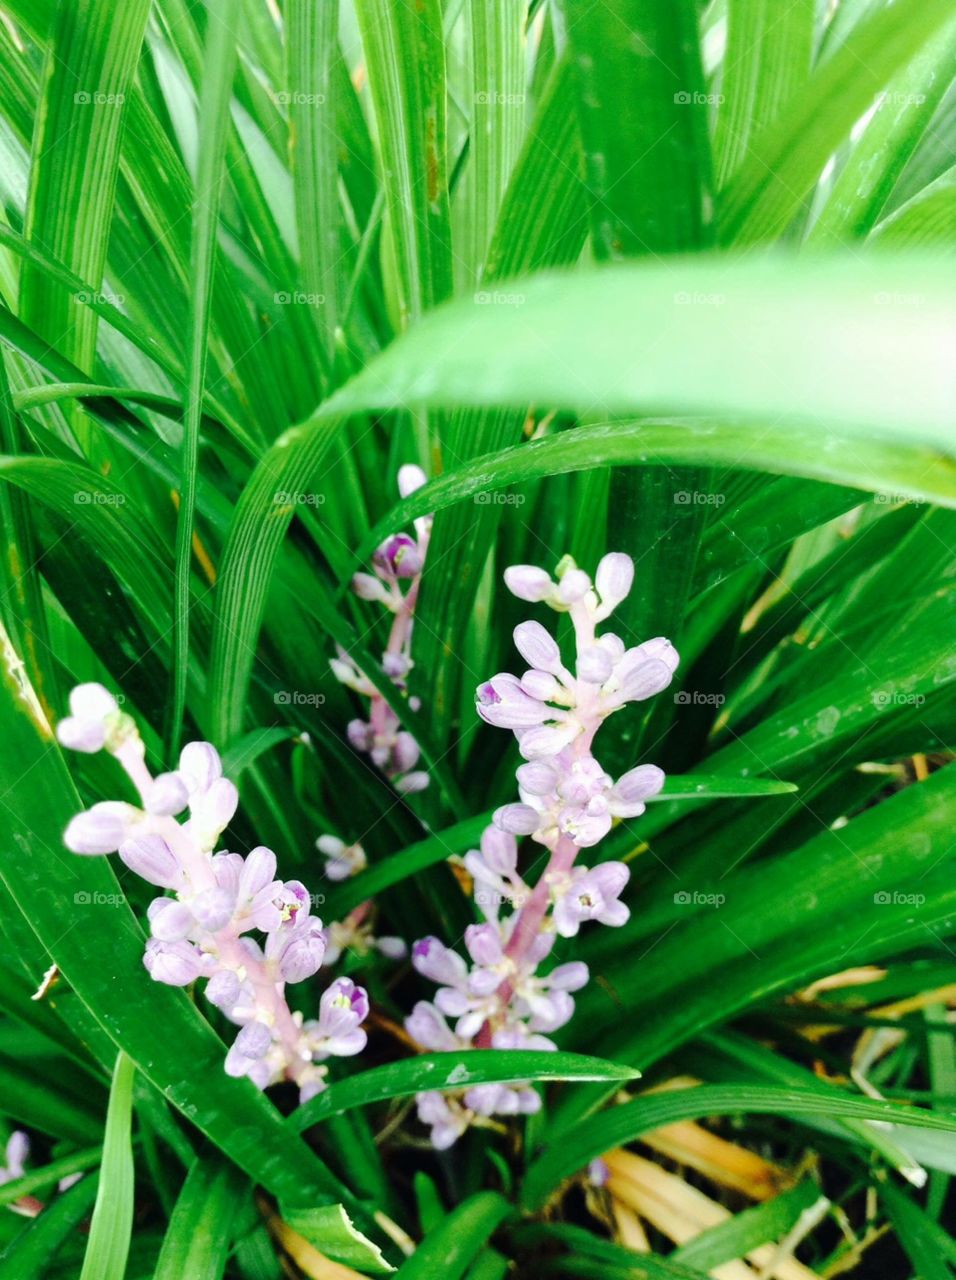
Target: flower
(397, 562)
(342, 860)
(219, 900)
(567, 802)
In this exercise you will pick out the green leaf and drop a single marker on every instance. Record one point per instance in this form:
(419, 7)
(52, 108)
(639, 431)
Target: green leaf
(437, 1071)
(787, 157)
(219, 68)
(112, 1223)
(643, 112)
(29, 1254)
(90, 62)
(198, 1238)
(861, 342)
(623, 1124)
(766, 63)
(454, 1243)
(405, 55)
(332, 1232)
(50, 1174)
(762, 1224)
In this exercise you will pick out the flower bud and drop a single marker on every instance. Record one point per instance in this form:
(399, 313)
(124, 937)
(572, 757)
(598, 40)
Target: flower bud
(223, 989)
(411, 783)
(499, 850)
(258, 870)
(537, 646)
(527, 582)
(639, 784)
(170, 920)
(537, 777)
(396, 665)
(151, 858)
(541, 686)
(303, 954)
(405, 752)
(254, 1040)
(212, 812)
(77, 734)
(400, 556)
(437, 962)
(368, 587)
(213, 909)
(595, 665)
(167, 796)
(518, 819)
(101, 829)
(175, 963)
(573, 586)
(644, 680)
(410, 478)
(199, 766)
(484, 944)
(502, 702)
(614, 579)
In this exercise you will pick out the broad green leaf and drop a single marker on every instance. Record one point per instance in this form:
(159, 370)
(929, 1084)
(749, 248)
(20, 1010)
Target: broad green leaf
(437, 1071)
(863, 343)
(112, 1222)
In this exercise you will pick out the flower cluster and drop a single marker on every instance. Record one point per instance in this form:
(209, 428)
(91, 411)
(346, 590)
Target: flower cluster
(567, 803)
(214, 902)
(399, 560)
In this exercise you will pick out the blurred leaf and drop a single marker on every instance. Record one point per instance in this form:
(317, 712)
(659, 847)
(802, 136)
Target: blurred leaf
(112, 1222)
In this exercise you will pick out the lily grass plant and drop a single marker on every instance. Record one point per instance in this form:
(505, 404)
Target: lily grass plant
(477, 619)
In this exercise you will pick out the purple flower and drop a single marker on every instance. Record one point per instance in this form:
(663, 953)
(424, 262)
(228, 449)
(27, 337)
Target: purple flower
(426, 1025)
(592, 895)
(434, 960)
(342, 1009)
(303, 949)
(399, 557)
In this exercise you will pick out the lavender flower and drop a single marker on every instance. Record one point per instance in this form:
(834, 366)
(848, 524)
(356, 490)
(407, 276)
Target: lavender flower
(219, 901)
(400, 559)
(567, 802)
